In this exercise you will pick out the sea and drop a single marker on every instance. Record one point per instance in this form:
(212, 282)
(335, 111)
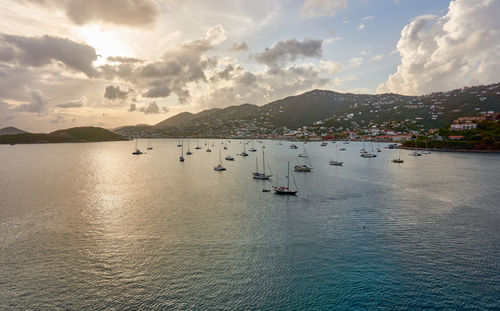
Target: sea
(89, 226)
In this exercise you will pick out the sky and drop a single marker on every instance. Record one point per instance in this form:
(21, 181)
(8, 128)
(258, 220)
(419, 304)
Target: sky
(67, 63)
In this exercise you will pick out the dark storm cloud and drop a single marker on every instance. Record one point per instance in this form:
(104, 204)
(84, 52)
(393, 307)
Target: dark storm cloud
(160, 91)
(41, 51)
(289, 51)
(114, 93)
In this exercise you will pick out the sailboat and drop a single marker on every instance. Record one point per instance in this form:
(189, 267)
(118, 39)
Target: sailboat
(197, 145)
(181, 158)
(261, 175)
(208, 148)
(229, 158)
(426, 151)
(335, 162)
(323, 144)
(253, 148)
(282, 190)
(189, 151)
(137, 151)
(369, 154)
(219, 166)
(306, 165)
(415, 153)
(150, 145)
(244, 153)
(398, 160)
(293, 146)
(179, 144)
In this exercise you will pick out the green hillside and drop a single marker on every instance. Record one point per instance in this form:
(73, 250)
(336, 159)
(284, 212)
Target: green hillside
(76, 134)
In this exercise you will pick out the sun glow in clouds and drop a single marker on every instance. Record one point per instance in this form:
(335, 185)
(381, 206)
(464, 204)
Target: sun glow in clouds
(106, 43)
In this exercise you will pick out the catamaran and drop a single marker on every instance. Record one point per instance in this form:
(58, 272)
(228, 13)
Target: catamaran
(219, 166)
(261, 175)
(282, 190)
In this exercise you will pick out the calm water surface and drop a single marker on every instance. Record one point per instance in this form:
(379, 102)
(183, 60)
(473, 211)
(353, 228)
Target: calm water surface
(91, 227)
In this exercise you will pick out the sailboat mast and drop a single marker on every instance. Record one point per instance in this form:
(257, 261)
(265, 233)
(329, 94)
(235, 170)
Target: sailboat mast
(288, 176)
(263, 163)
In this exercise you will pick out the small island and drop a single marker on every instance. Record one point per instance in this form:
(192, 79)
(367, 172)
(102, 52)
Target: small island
(71, 135)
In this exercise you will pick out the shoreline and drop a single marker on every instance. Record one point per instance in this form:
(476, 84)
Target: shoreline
(455, 150)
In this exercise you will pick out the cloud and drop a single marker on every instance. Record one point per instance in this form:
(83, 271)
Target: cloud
(119, 12)
(120, 59)
(459, 48)
(133, 107)
(361, 27)
(289, 51)
(341, 81)
(238, 47)
(355, 61)
(366, 18)
(74, 104)
(376, 58)
(157, 92)
(38, 103)
(114, 93)
(317, 8)
(331, 67)
(151, 108)
(180, 67)
(42, 51)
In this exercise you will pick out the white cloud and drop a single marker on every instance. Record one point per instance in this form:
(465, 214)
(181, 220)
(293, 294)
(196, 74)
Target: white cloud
(341, 81)
(317, 8)
(376, 58)
(331, 67)
(366, 18)
(459, 48)
(361, 27)
(355, 61)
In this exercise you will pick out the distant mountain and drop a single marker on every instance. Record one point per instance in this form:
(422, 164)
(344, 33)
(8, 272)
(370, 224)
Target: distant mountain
(330, 109)
(11, 131)
(76, 134)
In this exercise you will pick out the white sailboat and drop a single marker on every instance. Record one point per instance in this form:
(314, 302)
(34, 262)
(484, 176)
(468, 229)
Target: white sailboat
(219, 166)
(415, 153)
(282, 190)
(426, 151)
(261, 175)
(304, 165)
(336, 162)
(369, 154)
